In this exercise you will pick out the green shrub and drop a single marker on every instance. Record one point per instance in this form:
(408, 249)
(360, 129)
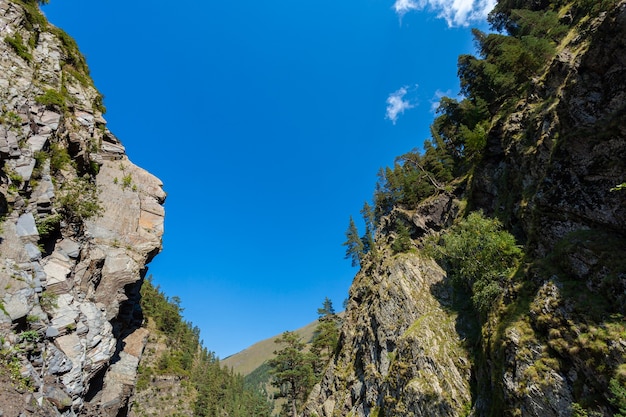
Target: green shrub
(30, 336)
(618, 396)
(402, 242)
(78, 199)
(48, 300)
(52, 98)
(48, 224)
(12, 119)
(127, 181)
(479, 256)
(59, 157)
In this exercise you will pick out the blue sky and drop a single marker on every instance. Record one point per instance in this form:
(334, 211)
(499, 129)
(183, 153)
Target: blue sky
(267, 122)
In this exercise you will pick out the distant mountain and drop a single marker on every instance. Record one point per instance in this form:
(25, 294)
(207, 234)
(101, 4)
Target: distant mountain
(251, 358)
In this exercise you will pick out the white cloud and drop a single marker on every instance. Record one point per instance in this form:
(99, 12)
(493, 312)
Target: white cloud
(434, 102)
(397, 104)
(456, 12)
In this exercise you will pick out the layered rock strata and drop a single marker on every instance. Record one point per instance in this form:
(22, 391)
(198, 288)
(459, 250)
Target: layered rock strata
(80, 223)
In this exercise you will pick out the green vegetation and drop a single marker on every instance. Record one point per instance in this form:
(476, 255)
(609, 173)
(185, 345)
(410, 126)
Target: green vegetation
(402, 242)
(127, 180)
(78, 200)
(292, 372)
(59, 157)
(52, 98)
(354, 244)
(74, 61)
(11, 119)
(35, 20)
(17, 43)
(297, 366)
(618, 396)
(40, 159)
(11, 366)
(414, 177)
(219, 392)
(48, 300)
(325, 337)
(480, 257)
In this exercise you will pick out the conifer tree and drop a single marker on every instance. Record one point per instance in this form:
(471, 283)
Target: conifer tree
(353, 244)
(368, 238)
(402, 242)
(292, 369)
(326, 335)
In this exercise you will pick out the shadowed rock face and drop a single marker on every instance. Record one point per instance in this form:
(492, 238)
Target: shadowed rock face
(81, 223)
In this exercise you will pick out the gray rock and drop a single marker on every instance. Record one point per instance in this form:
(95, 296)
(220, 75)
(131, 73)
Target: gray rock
(24, 168)
(84, 118)
(37, 143)
(33, 251)
(13, 145)
(26, 226)
(16, 306)
(52, 332)
(56, 271)
(59, 398)
(58, 362)
(50, 119)
(69, 247)
(65, 314)
(111, 148)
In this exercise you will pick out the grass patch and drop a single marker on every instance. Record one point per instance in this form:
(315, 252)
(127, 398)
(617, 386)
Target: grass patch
(52, 98)
(17, 43)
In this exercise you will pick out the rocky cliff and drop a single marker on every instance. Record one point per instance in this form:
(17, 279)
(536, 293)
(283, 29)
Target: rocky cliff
(80, 223)
(555, 341)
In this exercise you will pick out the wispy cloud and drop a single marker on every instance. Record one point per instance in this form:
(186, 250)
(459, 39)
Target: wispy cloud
(436, 100)
(397, 103)
(456, 12)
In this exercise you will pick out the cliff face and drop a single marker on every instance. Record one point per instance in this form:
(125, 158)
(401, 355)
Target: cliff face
(401, 351)
(548, 172)
(556, 337)
(80, 223)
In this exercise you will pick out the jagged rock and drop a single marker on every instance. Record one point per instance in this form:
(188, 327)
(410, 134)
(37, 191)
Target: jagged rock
(65, 314)
(37, 143)
(549, 163)
(69, 248)
(79, 271)
(49, 121)
(58, 397)
(24, 167)
(399, 352)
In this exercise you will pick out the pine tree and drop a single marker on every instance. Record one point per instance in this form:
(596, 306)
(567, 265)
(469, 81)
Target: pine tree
(369, 245)
(402, 242)
(292, 369)
(326, 335)
(353, 244)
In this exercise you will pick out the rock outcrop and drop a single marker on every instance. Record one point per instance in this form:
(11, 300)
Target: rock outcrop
(555, 339)
(80, 223)
(400, 351)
